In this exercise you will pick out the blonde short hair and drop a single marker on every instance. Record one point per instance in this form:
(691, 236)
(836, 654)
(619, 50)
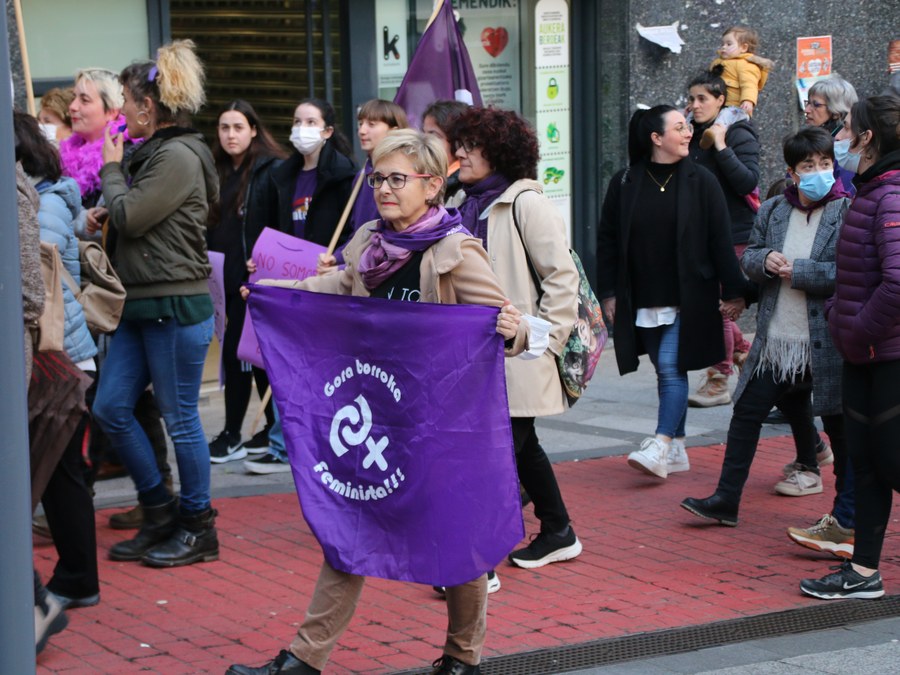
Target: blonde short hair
(424, 151)
(107, 84)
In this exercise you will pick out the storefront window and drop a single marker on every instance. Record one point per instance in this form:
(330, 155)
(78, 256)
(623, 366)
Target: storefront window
(65, 36)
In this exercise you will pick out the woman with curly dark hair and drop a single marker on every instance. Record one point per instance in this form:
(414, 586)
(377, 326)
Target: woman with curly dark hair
(502, 204)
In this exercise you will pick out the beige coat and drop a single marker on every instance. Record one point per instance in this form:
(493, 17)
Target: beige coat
(534, 387)
(454, 271)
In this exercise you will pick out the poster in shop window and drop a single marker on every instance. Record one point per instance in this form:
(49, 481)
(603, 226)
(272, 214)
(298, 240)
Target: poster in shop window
(391, 51)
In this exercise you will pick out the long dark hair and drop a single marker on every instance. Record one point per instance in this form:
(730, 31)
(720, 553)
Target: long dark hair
(261, 145)
(643, 124)
(338, 139)
(38, 156)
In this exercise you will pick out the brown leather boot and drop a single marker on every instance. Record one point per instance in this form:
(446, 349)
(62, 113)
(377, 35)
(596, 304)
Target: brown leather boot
(134, 518)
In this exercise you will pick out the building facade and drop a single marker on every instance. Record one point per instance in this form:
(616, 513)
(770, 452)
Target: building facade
(575, 68)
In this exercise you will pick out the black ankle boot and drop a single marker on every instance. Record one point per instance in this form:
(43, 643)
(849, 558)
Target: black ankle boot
(159, 523)
(194, 540)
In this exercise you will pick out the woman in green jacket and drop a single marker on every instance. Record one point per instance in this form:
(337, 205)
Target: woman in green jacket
(159, 211)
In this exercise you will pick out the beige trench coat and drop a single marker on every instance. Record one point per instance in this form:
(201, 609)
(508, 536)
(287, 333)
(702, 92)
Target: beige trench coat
(533, 387)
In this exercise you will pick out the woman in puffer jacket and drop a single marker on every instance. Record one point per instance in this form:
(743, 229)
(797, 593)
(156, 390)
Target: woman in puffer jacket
(67, 500)
(864, 320)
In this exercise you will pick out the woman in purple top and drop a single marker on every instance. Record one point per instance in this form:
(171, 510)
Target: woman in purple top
(373, 122)
(864, 320)
(314, 183)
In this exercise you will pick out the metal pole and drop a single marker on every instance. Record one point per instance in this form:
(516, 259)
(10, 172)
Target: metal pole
(310, 49)
(16, 596)
(326, 49)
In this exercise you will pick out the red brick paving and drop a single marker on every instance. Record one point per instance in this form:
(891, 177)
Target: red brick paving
(647, 565)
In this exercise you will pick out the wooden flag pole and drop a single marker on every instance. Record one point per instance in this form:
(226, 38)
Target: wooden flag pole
(346, 214)
(259, 413)
(437, 8)
(26, 68)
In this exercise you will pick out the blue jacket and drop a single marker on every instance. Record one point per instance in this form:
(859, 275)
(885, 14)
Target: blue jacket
(60, 206)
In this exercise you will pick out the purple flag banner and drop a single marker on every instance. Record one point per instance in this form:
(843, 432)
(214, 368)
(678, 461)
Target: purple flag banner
(217, 294)
(440, 69)
(397, 427)
(277, 256)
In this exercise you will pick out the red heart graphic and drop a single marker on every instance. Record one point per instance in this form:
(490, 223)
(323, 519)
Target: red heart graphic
(494, 40)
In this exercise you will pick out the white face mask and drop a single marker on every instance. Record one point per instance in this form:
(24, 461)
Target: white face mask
(49, 131)
(306, 139)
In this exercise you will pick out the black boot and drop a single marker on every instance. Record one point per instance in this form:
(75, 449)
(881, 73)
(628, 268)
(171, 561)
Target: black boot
(193, 541)
(159, 523)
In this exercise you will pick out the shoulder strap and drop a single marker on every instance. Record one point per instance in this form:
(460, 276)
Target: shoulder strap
(535, 277)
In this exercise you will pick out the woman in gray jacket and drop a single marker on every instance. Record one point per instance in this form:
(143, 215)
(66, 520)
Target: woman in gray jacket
(791, 256)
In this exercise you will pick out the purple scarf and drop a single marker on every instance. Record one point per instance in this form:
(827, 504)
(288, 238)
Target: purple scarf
(479, 196)
(792, 194)
(388, 250)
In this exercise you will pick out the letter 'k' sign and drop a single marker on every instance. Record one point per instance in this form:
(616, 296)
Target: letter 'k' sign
(354, 416)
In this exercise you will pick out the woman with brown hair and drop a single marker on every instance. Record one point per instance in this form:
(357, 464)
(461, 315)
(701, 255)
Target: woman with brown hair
(245, 155)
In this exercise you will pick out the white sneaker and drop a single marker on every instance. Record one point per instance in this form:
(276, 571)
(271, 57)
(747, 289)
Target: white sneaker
(800, 484)
(651, 458)
(677, 459)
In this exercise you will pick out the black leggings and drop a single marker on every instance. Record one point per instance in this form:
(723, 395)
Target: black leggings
(872, 428)
(239, 375)
(537, 477)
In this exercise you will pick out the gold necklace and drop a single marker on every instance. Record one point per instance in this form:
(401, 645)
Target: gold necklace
(662, 186)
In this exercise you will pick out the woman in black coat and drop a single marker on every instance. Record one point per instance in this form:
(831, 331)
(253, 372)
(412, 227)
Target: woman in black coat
(245, 154)
(313, 185)
(663, 267)
(734, 161)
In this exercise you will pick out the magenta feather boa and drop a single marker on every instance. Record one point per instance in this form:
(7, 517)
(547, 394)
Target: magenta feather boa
(82, 160)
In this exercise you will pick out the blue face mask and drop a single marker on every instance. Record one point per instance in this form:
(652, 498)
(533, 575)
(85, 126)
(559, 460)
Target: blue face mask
(847, 160)
(816, 185)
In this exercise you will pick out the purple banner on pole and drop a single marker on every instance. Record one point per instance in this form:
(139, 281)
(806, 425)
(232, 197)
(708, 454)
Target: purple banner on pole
(397, 427)
(217, 294)
(277, 256)
(440, 69)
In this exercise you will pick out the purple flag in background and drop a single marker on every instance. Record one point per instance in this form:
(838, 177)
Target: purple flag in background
(217, 294)
(439, 69)
(397, 428)
(277, 256)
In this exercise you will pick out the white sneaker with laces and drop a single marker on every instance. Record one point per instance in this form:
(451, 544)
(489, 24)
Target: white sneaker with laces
(677, 459)
(800, 484)
(651, 458)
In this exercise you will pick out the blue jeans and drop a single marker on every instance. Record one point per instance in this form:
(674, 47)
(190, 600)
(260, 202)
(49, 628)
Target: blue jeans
(276, 437)
(169, 356)
(661, 344)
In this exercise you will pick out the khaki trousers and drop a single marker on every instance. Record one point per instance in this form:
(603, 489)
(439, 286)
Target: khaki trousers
(334, 601)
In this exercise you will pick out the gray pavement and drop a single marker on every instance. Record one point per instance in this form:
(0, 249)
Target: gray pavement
(859, 649)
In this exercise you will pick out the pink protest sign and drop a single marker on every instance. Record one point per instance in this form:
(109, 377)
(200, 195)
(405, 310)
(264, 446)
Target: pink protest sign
(277, 256)
(217, 294)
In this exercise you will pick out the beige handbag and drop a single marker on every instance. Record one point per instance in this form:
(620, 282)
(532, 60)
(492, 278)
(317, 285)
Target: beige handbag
(52, 323)
(101, 295)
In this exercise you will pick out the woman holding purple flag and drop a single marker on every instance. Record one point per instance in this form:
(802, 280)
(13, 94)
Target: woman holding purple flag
(420, 252)
(502, 204)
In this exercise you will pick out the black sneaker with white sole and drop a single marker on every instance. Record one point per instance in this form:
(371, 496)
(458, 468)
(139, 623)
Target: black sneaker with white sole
(845, 583)
(266, 464)
(226, 447)
(258, 444)
(546, 548)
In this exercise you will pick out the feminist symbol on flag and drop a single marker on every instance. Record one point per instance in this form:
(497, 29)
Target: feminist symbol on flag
(351, 414)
